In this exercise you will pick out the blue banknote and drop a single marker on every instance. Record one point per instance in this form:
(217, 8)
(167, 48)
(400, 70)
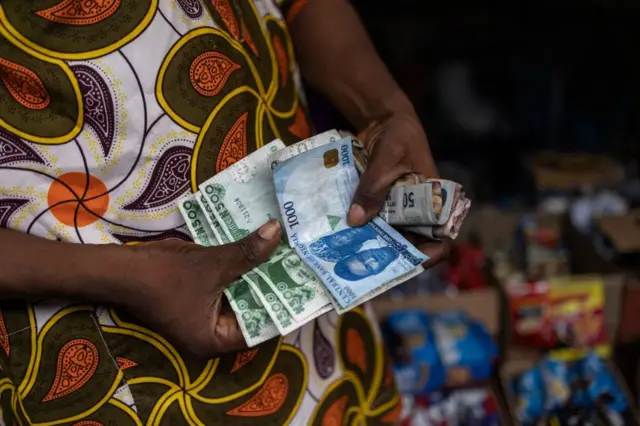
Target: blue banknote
(314, 191)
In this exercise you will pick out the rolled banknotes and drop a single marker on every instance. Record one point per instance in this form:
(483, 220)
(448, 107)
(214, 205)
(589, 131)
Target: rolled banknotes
(314, 191)
(434, 208)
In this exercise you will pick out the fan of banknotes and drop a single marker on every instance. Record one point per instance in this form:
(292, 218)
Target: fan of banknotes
(322, 264)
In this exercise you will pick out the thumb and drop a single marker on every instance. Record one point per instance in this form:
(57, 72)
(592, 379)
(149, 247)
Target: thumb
(372, 191)
(252, 250)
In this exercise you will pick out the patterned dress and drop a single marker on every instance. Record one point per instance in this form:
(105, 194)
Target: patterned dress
(110, 110)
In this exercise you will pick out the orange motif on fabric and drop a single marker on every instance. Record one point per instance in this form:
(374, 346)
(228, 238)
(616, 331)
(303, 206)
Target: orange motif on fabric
(4, 336)
(125, 363)
(80, 12)
(300, 126)
(246, 35)
(281, 56)
(355, 350)
(244, 358)
(24, 85)
(210, 71)
(77, 363)
(234, 146)
(335, 414)
(267, 401)
(226, 13)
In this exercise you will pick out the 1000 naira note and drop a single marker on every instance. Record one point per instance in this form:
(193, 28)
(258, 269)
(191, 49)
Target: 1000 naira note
(254, 320)
(242, 198)
(314, 191)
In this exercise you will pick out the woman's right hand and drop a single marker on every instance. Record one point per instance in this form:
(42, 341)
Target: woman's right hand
(181, 295)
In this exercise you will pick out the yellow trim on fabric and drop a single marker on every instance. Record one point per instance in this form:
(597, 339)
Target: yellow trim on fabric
(124, 407)
(89, 54)
(34, 342)
(290, 62)
(175, 49)
(207, 124)
(24, 390)
(242, 392)
(85, 413)
(305, 368)
(161, 406)
(158, 341)
(4, 31)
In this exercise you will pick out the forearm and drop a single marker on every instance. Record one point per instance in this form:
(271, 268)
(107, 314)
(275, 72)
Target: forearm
(32, 267)
(337, 58)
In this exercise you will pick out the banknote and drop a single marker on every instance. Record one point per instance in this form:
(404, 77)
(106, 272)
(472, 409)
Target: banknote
(196, 221)
(449, 229)
(380, 290)
(314, 191)
(282, 320)
(255, 321)
(241, 202)
(302, 146)
(426, 203)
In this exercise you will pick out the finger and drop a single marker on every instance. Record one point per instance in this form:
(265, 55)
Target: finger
(228, 334)
(373, 189)
(240, 257)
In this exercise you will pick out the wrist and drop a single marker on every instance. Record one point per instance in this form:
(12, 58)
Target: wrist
(93, 273)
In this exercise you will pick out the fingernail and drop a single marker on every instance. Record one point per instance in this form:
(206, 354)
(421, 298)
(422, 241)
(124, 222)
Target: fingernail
(357, 215)
(269, 229)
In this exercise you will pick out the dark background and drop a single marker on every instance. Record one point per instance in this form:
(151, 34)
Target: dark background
(495, 80)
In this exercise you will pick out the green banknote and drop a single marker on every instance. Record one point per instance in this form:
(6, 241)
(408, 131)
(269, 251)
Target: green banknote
(242, 198)
(281, 318)
(255, 322)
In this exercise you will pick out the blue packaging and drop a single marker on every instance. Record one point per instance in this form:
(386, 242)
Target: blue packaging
(422, 371)
(530, 396)
(602, 385)
(466, 349)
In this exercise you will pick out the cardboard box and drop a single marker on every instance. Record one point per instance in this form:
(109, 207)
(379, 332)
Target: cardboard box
(565, 172)
(622, 286)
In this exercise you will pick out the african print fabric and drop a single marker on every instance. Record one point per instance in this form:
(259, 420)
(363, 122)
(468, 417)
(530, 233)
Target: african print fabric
(110, 110)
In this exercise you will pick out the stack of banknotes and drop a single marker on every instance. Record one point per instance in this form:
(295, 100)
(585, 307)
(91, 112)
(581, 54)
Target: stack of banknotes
(322, 264)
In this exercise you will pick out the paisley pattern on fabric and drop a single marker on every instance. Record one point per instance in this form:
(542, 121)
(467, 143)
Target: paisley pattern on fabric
(24, 85)
(26, 106)
(80, 12)
(98, 105)
(192, 8)
(13, 150)
(8, 207)
(109, 112)
(169, 180)
(77, 363)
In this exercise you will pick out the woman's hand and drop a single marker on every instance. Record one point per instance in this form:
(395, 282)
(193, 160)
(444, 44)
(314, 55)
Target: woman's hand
(181, 293)
(397, 145)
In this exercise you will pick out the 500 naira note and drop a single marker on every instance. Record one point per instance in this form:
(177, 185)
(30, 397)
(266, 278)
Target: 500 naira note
(255, 322)
(242, 198)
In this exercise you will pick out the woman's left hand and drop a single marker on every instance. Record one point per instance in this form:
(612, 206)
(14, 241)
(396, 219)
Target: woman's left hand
(397, 145)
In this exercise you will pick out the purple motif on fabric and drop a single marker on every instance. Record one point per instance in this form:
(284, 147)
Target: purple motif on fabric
(99, 111)
(323, 354)
(191, 8)
(169, 180)
(13, 150)
(8, 206)
(167, 235)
